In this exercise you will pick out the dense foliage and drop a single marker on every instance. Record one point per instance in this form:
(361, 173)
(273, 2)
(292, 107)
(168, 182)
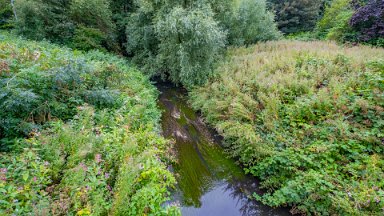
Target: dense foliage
(294, 16)
(6, 14)
(79, 134)
(335, 22)
(250, 22)
(353, 21)
(183, 39)
(180, 40)
(307, 119)
(369, 22)
(77, 23)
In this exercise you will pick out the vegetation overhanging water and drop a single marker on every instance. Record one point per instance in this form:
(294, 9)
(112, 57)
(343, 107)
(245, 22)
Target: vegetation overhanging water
(209, 183)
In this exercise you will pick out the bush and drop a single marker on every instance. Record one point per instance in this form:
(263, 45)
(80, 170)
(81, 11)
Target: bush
(306, 118)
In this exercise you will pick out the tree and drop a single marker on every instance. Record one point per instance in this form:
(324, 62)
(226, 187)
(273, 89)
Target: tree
(120, 13)
(13, 8)
(296, 15)
(92, 13)
(77, 23)
(251, 22)
(368, 20)
(142, 43)
(190, 43)
(45, 19)
(95, 28)
(5, 14)
(180, 40)
(334, 24)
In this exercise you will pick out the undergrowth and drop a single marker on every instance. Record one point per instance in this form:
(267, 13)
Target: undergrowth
(79, 134)
(307, 119)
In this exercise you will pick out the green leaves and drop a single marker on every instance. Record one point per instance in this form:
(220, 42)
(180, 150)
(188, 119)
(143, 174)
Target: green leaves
(92, 121)
(190, 43)
(296, 15)
(25, 176)
(251, 22)
(182, 40)
(314, 139)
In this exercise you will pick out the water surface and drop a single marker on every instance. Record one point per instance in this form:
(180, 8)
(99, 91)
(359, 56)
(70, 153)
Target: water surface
(209, 183)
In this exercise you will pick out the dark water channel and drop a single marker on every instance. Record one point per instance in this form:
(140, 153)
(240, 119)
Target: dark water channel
(209, 184)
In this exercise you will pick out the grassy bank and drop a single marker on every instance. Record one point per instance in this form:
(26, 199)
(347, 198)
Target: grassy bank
(307, 119)
(79, 134)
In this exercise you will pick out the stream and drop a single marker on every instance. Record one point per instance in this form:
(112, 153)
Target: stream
(209, 183)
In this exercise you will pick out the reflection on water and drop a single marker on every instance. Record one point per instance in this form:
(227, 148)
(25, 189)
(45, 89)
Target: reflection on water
(209, 183)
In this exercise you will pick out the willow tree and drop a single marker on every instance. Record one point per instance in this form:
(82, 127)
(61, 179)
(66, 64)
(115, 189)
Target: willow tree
(190, 42)
(182, 40)
(177, 39)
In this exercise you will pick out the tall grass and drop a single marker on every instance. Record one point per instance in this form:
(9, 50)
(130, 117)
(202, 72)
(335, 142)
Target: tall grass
(307, 119)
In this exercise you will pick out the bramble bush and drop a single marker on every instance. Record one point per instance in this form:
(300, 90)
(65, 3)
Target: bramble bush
(307, 119)
(79, 134)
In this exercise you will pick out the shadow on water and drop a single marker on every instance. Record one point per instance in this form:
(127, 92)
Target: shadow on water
(209, 183)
